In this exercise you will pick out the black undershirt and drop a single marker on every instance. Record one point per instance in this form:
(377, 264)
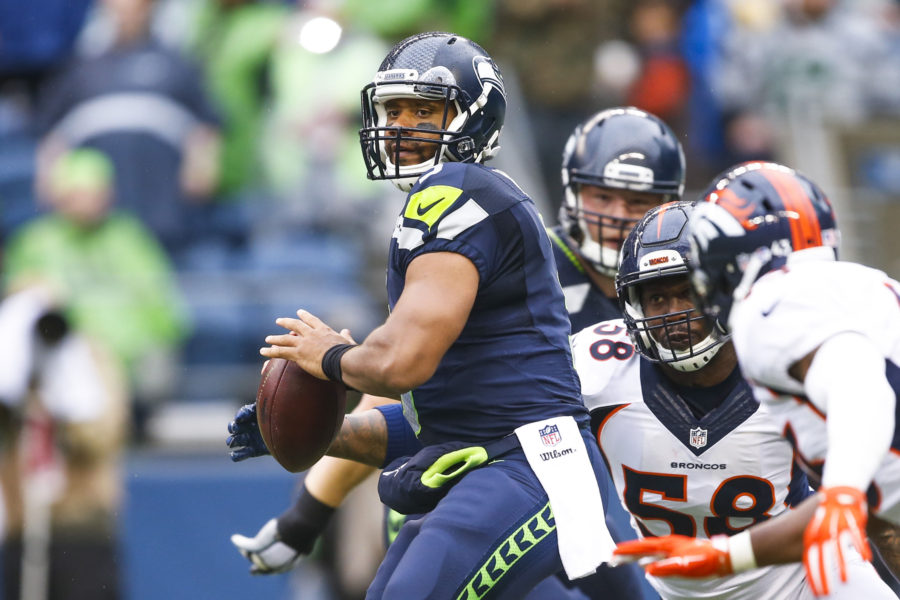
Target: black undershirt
(702, 400)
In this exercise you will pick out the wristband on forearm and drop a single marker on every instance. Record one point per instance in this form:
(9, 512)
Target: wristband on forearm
(740, 551)
(331, 361)
(301, 524)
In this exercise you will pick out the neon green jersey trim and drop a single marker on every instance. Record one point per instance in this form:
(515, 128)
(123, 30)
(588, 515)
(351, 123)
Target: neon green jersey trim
(393, 522)
(508, 553)
(429, 204)
(565, 248)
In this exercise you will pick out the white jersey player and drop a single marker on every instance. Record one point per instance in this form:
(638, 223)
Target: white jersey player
(808, 306)
(689, 449)
(821, 341)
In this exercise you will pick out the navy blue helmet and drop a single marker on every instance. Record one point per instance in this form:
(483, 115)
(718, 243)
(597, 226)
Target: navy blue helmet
(624, 148)
(750, 219)
(658, 247)
(434, 66)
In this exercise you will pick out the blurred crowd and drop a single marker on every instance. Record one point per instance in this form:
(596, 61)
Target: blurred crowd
(174, 174)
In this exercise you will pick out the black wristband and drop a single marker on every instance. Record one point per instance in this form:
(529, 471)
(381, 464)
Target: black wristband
(300, 526)
(331, 362)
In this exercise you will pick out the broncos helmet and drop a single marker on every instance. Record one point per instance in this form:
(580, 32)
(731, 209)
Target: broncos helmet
(748, 222)
(434, 66)
(623, 148)
(658, 247)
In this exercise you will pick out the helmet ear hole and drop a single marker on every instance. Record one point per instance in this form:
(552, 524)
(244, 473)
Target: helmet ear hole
(576, 233)
(465, 148)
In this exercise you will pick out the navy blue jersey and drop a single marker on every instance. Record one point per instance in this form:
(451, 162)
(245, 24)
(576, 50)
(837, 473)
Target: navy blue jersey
(586, 303)
(512, 363)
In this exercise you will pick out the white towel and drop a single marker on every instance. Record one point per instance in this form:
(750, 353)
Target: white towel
(557, 455)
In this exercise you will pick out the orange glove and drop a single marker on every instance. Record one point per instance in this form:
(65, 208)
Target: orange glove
(842, 515)
(678, 555)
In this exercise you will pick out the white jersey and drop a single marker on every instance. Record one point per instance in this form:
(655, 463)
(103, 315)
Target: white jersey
(790, 313)
(678, 474)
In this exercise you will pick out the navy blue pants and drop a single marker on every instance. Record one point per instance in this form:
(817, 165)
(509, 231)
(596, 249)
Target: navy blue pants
(492, 537)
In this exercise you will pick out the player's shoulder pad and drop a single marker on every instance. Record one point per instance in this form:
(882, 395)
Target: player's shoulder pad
(613, 329)
(600, 414)
(452, 197)
(602, 354)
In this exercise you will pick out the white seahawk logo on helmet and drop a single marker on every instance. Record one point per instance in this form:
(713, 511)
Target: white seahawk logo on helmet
(487, 72)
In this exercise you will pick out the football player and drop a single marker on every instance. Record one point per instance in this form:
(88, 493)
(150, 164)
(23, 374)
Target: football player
(821, 339)
(476, 344)
(615, 166)
(692, 453)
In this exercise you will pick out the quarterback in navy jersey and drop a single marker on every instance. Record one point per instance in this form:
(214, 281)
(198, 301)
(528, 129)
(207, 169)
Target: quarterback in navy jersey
(617, 164)
(515, 338)
(476, 346)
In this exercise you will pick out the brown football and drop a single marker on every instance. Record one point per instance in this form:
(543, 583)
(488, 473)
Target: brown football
(298, 414)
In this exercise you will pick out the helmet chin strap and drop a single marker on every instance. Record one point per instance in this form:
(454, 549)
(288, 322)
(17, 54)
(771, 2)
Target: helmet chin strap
(685, 361)
(410, 174)
(405, 184)
(604, 260)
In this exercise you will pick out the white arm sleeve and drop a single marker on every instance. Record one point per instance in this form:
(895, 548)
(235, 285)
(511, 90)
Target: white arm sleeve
(846, 380)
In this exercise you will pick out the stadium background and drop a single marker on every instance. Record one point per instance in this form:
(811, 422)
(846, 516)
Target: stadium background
(291, 221)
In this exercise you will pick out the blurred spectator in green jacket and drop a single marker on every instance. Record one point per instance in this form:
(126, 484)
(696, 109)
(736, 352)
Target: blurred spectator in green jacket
(234, 39)
(110, 274)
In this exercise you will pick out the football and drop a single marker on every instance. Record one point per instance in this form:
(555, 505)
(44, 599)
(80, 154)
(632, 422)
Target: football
(298, 414)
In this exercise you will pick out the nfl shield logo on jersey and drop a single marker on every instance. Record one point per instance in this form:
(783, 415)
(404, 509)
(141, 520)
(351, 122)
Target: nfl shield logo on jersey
(698, 437)
(550, 435)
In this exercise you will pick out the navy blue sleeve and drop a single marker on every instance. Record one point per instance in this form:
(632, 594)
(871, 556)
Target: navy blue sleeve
(461, 209)
(401, 439)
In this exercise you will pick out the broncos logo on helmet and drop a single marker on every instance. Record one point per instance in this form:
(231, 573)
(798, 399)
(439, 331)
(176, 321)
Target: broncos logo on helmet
(748, 221)
(658, 248)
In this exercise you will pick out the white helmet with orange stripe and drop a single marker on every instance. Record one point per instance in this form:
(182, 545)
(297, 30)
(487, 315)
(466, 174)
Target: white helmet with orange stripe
(746, 224)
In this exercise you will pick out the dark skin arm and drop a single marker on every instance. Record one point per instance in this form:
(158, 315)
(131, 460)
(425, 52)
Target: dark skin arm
(405, 351)
(363, 438)
(780, 540)
(799, 369)
(362, 441)
(886, 539)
